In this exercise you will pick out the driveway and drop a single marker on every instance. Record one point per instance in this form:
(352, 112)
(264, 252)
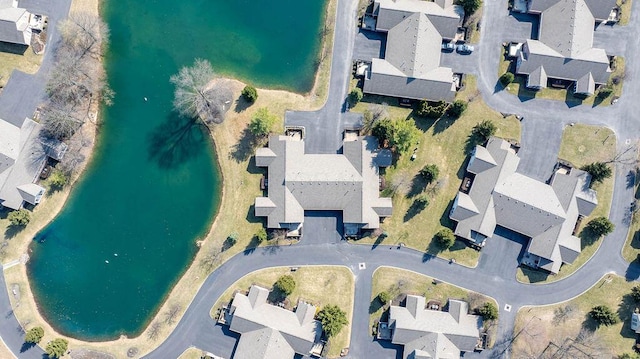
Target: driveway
(461, 63)
(521, 27)
(368, 45)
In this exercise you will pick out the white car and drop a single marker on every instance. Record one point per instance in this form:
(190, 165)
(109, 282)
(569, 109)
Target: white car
(464, 48)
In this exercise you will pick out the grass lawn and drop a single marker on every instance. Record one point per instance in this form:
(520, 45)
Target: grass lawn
(444, 142)
(16, 57)
(581, 145)
(631, 249)
(319, 285)
(538, 326)
(240, 186)
(518, 88)
(191, 353)
(625, 13)
(399, 281)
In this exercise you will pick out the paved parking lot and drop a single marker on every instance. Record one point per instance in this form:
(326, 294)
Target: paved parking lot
(521, 27)
(369, 44)
(322, 227)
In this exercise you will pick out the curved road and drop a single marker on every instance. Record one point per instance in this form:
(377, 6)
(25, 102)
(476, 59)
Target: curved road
(494, 276)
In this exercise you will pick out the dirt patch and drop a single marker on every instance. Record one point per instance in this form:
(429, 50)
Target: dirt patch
(89, 354)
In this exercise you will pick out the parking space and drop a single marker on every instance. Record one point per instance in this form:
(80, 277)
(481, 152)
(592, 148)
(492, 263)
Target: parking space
(459, 62)
(369, 44)
(502, 253)
(322, 227)
(521, 27)
(611, 38)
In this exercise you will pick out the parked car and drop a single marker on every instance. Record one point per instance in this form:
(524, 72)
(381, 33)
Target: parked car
(464, 48)
(448, 46)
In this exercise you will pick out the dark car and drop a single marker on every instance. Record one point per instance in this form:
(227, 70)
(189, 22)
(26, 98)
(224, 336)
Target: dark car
(465, 49)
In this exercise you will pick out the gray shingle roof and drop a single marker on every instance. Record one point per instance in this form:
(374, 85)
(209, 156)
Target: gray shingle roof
(586, 85)
(392, 12)
(271, 329)
(22, 155)
(430, 332)
(599, 8)
(545, 213)
(411, 68)
(14, 24)
(297, 182)
(564, 49)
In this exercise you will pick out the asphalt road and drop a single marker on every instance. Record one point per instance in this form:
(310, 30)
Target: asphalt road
(542, 125)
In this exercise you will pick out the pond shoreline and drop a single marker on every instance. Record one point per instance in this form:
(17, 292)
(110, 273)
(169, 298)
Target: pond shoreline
(27, 311)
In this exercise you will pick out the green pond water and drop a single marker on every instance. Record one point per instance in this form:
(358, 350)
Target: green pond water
(104, 265)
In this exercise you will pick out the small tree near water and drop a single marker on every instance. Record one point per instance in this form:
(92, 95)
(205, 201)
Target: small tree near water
(19, 218)
(250, 94)
(57, 348)
(262, 123)
(34, 335)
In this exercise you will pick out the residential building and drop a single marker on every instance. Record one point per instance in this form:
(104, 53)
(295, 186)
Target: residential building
(270, 332)
(564, 49)
(494, 194)
(14, 23)
(23, 154)
(411, 65)
(298, 182)
(435, 334)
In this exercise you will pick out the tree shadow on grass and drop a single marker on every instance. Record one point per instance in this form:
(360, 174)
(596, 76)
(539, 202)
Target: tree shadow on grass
(418, 184)
(375, 305)
(624, 311)
(245, 147)
(13, 231)
(534, 275)
(242, 104)
(176, 141)
(251, 246)
(416, 207)
(379, 240)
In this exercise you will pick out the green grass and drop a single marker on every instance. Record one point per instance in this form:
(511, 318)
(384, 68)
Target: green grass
(518, 86)
(191, 353)
(399, 281)
(16, 57)
(319, 285)
(540, 328)
(625, 7)
(444, 142)
(581, 145)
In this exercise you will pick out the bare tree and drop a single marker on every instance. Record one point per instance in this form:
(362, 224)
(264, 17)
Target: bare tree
(209, 260)
(626, 156)
(171, 314)
(195, 97)
(85, 34)
(59, 120)
(562, 314)
(154, 330)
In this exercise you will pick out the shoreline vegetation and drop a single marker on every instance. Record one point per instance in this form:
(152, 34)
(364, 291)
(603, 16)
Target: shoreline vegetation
(234, 150)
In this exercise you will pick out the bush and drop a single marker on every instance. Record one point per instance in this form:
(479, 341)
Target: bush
(420, 203)
(58, 179)
(332, 319)
(603, 315)
(635, 293)
(384, 297)
(34, 335)
(484, 130)
(600, 226)
(262, 122)
(400, 134)
(507, 78)
(457, 108)
(285, 285)
(469, 6)
(488, 311)
(445, 238)
(430, 173)
(232, 239)
(599, 171)
(57, 348)
(21, 217)
(435, 110)
(261, 235)
(250, 93)
(355, 96)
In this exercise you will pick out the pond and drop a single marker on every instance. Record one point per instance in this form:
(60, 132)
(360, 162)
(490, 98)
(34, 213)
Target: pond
(102, 268)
